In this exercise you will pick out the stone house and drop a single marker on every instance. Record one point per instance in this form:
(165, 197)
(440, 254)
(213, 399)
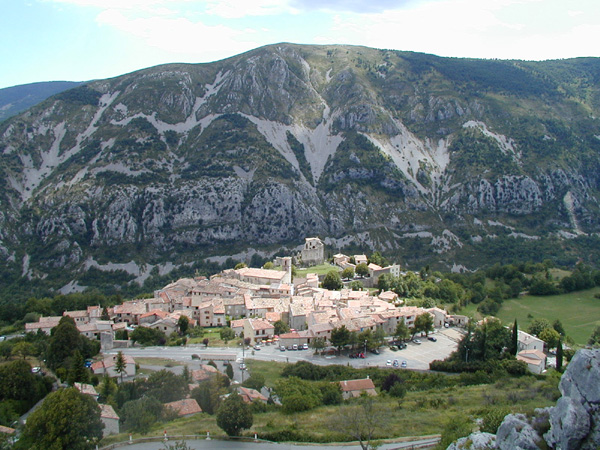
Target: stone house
(258, 330)
(313, 252)
(355, 388)
(185, 408)
(235, 307)
(360, 259)
(263, 276)
(526, 341)
(251, 395)
(45, 324)
(535, 360)
(80, 317)
(340, 259)
(130, 312)
(108, 366)
(87, 389)
(110, 419)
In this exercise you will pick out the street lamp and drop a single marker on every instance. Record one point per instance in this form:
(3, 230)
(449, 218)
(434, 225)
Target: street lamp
(365, 347)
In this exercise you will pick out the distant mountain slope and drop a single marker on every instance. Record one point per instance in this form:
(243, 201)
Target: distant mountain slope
(441, 161)
(16, 99)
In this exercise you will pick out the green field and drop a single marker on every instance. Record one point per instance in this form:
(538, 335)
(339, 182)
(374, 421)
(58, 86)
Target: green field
(579, 312)
(322, 269)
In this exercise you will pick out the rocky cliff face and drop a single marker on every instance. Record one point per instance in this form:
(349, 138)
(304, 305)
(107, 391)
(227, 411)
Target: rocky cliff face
(573, 424)
(180, 162)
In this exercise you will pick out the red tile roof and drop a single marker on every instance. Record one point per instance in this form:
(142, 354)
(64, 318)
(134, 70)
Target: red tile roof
(185, 407)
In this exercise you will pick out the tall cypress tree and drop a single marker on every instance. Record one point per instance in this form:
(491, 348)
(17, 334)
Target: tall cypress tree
(515, 339)
(559, 355)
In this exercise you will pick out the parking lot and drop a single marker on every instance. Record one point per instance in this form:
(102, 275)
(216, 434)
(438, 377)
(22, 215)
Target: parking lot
(416, 356)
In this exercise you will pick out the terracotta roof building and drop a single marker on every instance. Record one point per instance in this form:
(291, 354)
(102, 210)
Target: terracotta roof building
(185, 408)
(355, 388)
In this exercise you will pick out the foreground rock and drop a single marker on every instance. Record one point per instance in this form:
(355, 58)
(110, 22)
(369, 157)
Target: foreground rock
(573, 424)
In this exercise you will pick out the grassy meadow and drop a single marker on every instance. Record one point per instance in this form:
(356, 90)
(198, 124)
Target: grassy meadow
(419, 413)
(579, 312)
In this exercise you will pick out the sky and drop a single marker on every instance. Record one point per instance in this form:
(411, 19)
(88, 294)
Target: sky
(81, 40)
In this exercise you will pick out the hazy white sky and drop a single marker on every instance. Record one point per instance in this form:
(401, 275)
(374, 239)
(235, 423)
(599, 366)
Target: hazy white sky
(77, 40)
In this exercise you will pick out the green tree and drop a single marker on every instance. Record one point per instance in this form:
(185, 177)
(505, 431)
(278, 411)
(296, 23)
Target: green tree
(376, 258)
(402, 332)
(255, 381)
(139, 415)
(385, 282)
(120, 365)
(229, 371)
(297, 394)
(268, 265)
(340, 337)
(514, 346)
(423, 323)
(356, 285)
(234, 415)
(362, 422)
(20, 387)
(332, 281)
(559, 355)
(557, 325)
(165, 386)
(594, 339)
(64, 340)
(281, 327)
(66, 420)
(550, 336)
(78, 372)
(348, 273)
(23, 349)
(226, 334)
(208, 393)
(318, 343)
(362, 270)
(537, 326)
(183, 323)
(489, 340)
(104, 315)
(148, 336)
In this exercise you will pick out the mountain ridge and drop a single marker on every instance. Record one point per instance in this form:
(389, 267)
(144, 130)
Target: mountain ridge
(422, 157)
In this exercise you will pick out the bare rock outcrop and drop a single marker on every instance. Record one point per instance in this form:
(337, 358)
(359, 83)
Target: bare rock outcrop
(573, 424)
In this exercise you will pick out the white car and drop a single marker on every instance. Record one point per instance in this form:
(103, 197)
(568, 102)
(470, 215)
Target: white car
(242, 366)
(388, 362)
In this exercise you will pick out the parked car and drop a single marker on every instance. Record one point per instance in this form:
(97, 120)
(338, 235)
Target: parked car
(402, 346)
(393, 348)
(375, 351)
(417, 341)
(388, 362)
(403, 364)
(257, 347)
(432, 338)
(304, 346)
(282, 348)
(295, 347)
(396, 363)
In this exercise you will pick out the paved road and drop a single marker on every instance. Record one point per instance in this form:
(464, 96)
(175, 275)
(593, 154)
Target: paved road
(228, 445)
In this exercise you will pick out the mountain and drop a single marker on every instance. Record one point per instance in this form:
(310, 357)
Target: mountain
(16, 99)
(442, 161)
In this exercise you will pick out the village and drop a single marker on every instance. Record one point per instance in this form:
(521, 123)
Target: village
(251, 301)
